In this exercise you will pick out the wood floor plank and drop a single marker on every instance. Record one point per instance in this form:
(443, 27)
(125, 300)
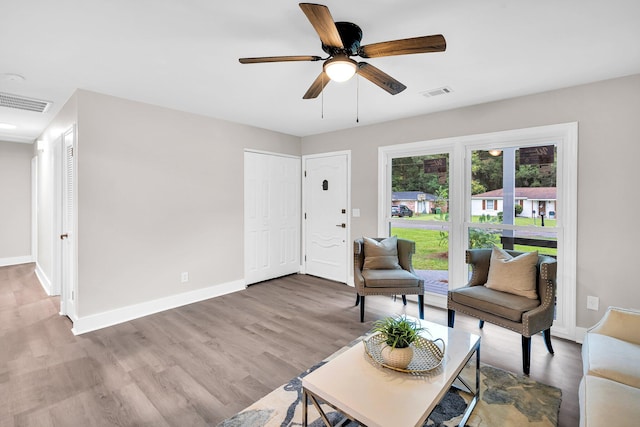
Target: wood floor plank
(168, 398)
(138, 407)
(202, 363)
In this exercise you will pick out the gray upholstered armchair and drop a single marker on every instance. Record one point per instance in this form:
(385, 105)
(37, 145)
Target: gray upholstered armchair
(374, 278)
(526, 315)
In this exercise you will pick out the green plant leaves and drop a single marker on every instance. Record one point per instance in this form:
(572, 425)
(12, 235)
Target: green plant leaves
(399, 332)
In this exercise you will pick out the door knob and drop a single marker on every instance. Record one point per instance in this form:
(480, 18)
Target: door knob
(343, 225)
(64, 236)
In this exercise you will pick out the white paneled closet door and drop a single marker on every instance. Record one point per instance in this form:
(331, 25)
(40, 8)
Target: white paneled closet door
(271, 216)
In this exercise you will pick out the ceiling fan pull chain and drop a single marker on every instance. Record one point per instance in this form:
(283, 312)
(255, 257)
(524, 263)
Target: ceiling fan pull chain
(357, 99)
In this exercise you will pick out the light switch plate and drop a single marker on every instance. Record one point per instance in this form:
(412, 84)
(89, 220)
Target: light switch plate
(593, 303)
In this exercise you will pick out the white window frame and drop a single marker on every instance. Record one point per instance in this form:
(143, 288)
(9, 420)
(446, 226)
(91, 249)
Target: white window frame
(564, 135)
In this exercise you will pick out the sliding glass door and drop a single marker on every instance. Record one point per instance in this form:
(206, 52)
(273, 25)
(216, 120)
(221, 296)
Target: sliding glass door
(513, 189)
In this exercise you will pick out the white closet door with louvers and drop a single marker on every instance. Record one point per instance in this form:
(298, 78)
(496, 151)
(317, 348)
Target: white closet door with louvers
(68, 238)
(271, 215)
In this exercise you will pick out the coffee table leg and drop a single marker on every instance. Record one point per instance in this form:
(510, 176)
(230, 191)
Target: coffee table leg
(476, 396)
(307, 395)
(304, 407)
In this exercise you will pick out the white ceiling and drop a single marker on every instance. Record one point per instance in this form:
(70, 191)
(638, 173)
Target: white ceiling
(183, 54)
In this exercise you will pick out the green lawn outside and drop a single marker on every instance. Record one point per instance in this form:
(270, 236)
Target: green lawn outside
(431, 255)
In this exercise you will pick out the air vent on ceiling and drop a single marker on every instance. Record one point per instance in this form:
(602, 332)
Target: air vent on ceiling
(435, 92)
(22, 103)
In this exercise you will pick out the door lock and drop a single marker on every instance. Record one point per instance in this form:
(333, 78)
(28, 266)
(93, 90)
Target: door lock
(64, 236)
(343, 225)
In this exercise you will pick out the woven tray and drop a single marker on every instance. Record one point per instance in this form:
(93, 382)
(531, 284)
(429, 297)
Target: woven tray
(427, 355)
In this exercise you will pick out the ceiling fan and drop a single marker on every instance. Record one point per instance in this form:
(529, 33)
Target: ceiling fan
(341, 40)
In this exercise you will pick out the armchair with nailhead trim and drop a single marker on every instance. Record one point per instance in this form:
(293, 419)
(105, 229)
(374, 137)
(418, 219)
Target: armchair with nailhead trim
(520, 314)
(403, 281)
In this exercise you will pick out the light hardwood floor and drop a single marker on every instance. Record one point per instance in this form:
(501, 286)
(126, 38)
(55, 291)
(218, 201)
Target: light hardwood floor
(199, 364)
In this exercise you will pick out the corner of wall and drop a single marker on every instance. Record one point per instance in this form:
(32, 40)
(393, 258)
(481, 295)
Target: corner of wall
(43, 279)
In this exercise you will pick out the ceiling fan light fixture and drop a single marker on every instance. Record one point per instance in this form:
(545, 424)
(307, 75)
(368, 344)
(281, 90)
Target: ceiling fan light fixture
(340, 68)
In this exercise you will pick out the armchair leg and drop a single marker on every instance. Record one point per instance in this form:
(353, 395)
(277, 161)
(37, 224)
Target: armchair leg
(357, 300)
(451, 318)
(421, 306)
(547, 340)
(526, 354)
(481, 324)
(404, 299)
(361, 308)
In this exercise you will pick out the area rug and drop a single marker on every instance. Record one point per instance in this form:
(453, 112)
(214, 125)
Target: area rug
(507, 399)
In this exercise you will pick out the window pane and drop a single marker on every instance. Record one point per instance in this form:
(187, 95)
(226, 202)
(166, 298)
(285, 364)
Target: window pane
(420, 212)
(522, 179)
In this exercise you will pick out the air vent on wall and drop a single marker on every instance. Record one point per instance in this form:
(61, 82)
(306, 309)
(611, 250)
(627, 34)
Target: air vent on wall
(22, 103)
(435, 92)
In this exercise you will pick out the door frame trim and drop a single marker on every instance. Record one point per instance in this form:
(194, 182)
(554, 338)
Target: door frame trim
(303, 228)
(56, 214)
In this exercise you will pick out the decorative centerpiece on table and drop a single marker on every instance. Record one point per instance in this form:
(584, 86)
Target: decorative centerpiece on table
(398, 334)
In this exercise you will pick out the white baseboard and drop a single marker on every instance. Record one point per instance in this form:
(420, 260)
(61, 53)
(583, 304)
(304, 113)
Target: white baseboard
(4, 262)
(43, 279)
(580, 333)
(93, 322)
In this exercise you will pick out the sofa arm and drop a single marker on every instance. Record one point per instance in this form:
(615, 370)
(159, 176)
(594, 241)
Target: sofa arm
(619, 323)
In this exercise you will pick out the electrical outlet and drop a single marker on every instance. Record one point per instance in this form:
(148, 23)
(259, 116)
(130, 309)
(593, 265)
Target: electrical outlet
(593, 303)
(184, 277)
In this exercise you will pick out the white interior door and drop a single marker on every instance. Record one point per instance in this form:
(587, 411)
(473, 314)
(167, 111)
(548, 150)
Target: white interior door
(68, 236)
(272, 216)
(326, 216)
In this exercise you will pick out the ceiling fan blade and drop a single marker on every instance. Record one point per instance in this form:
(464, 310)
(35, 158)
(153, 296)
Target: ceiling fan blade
(322, 22)
(316, 87)
(278, 59)
(425, 44)
(380, 78)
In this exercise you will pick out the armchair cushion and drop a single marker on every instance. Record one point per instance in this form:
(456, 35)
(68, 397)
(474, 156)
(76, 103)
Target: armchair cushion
(503, 304)
(381, 255)
(390, 279)
(514, 275)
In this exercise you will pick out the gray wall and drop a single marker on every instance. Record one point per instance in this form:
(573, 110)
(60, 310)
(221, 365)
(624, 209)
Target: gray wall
(15, 197)
(608, 152)
(159, 192)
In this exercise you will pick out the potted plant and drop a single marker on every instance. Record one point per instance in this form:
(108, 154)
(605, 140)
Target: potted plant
(398, 333)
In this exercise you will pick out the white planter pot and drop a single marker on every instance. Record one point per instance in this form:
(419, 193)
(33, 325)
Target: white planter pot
(397, 357)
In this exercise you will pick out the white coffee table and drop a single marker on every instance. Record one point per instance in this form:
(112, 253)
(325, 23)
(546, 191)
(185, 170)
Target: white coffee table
(374, 396)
